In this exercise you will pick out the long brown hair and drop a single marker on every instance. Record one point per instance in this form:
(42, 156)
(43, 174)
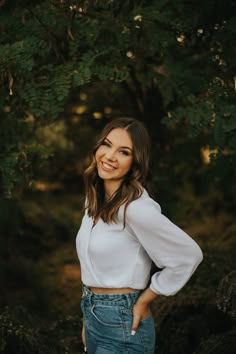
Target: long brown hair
(134, 182)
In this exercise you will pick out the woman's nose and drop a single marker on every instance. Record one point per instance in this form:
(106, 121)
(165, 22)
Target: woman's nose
(111, 155)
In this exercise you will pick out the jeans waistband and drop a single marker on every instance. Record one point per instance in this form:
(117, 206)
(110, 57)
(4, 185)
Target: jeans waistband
(128, 299)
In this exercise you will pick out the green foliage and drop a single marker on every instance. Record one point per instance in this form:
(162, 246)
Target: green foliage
(167, 63)
(179, 50)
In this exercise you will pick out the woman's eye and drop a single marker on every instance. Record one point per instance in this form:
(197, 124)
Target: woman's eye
(124, 152)
(105, 143)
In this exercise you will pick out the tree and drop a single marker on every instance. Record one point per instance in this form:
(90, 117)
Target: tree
(175, 59)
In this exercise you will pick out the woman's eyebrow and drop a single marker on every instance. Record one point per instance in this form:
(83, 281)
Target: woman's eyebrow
(123, 147)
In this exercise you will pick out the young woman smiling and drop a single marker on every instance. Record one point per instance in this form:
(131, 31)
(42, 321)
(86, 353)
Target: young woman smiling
(122, 232)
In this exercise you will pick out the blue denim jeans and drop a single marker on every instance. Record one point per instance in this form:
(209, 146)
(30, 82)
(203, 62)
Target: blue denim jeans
(108, 320)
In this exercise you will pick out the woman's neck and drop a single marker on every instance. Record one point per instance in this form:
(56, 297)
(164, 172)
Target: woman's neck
(110, 189)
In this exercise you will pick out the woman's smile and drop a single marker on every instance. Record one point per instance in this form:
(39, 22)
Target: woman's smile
(107, 167)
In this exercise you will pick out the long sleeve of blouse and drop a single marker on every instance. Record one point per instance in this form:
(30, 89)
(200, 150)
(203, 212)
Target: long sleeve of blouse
(166, 244)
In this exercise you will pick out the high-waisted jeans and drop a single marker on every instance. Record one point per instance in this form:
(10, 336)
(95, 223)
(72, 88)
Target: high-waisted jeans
(108, 320)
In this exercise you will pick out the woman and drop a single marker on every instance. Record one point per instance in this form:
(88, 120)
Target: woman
(121, 233)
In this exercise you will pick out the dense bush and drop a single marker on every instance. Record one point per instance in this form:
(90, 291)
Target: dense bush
(22, 334)
(219, 344)
(18, 334)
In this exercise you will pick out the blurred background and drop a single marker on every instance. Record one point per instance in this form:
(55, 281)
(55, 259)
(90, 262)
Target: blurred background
(66, 69)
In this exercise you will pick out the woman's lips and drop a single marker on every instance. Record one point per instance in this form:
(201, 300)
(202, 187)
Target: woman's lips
(107, 167)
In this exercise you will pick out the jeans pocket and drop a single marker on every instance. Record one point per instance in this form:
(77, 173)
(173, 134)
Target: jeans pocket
(146, 318)
(146, 331)
(107, 316)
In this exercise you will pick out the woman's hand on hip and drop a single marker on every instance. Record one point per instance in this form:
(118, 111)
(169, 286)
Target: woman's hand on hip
(140, 312)
(141, 309)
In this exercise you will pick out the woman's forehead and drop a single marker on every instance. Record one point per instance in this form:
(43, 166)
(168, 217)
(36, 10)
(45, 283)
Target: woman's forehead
(120, 137)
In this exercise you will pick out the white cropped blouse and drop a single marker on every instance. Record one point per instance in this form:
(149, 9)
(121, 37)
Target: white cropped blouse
(112, 256)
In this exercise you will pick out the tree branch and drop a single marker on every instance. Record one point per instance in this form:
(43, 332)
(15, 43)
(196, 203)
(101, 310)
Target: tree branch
(52, 37)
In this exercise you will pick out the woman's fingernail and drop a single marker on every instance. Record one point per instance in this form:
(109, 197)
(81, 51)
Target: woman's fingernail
(133, 332)
(85, 349)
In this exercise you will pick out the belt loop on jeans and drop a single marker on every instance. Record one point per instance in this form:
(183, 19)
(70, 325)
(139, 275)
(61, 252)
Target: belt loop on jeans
(90, 298)
(129, 300)
(84, 291)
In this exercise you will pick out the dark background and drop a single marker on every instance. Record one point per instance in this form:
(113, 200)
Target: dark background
(66, 69)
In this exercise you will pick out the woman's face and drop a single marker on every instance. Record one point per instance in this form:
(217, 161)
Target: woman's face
(114, 158)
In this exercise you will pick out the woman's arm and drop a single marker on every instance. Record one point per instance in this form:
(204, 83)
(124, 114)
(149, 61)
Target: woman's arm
(83, 338)
(169, 247)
